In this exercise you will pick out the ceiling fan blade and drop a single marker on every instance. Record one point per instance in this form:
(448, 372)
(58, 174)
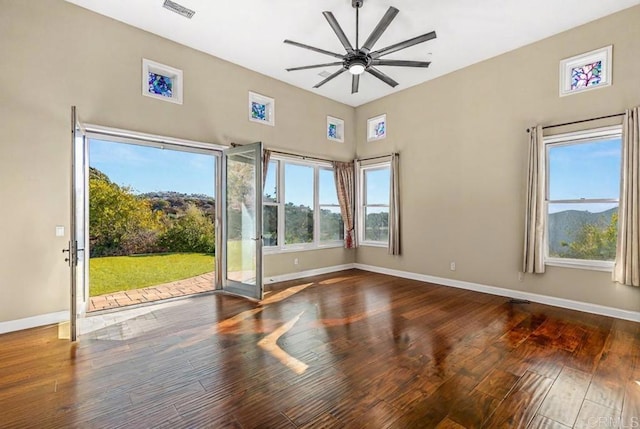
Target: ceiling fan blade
(336, 74)
(321, 51)
(383, 77)
(355, 83)
(400, 63)
(380, 28)
(338, 30)
(403, 45)
(315, 66)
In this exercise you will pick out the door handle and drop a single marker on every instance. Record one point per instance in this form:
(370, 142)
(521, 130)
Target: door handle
(68, 250)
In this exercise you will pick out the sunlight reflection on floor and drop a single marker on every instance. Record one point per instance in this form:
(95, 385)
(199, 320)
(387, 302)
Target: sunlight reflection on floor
(123, 324)
(269, 344)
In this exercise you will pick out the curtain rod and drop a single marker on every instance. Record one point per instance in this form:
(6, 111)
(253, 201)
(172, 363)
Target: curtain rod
(378, 157)
(327, 160)
(300, 156)
(581, 121)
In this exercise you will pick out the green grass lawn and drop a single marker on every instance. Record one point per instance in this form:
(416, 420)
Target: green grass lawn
(118, 273)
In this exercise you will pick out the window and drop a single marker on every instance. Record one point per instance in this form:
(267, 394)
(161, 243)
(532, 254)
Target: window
(582, 197)
(299, 206)
(301, 209)
(374, 208)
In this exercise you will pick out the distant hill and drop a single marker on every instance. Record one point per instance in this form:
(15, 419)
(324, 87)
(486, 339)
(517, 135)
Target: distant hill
(563, 226)
(173, 203)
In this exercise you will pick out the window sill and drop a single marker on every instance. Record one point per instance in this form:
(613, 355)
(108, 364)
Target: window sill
(374, 244)
(606, 266)
(301, 248)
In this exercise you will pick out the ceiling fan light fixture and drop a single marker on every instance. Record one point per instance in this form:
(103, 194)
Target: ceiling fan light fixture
(356, 68)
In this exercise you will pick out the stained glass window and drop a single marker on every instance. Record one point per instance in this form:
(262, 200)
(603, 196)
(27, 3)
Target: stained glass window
(258, 111)
(333, 131)
(380, 129)
(587, 75)
(160, 85)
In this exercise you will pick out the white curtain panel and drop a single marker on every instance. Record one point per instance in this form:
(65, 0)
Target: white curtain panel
(533, 260)
(394, 206)
(627, 269)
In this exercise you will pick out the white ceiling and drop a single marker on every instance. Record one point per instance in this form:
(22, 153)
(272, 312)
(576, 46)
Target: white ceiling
(251, 33)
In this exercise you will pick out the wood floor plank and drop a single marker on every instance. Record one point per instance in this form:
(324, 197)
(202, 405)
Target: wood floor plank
(473, 410)
(449, 424)
(594, 415)
(378, 351)
(587, 355)
(519, 408)
(564, 400)
(631, 409)
(497, 383)
(540, 422)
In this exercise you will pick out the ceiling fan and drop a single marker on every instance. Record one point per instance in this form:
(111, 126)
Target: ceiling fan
(361, 58)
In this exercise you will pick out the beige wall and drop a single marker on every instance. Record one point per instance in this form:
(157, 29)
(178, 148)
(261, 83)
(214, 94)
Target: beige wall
(463, 156)
(54, 55)
(461, 138)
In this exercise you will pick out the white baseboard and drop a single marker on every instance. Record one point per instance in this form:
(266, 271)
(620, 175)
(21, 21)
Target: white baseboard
(633, 316)
(307, 273)
(62, 316)
(33, 322)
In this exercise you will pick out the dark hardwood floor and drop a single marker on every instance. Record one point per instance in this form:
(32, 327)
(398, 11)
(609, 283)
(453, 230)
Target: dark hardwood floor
(352, 349)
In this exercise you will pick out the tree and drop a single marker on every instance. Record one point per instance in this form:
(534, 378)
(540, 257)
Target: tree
(191, 232)
(595, 242)
(331, 226)
(377, 226)
(119, 222)
(298, 224)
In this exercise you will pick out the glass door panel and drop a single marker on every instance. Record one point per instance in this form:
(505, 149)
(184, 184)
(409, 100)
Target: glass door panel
(78, 238)
(242, 221)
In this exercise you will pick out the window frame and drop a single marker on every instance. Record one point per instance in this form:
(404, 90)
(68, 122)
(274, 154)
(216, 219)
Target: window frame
(362, 202)
(280, 203)
(570, 139)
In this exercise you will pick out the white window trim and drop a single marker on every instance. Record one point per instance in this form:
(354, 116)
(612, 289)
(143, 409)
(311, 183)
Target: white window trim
(280, 203)
(567, 139)
(592, 265)
(362, 200)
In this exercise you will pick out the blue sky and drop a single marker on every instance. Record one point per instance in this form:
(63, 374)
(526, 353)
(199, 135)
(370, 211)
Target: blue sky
(149, 169)
(588, 170)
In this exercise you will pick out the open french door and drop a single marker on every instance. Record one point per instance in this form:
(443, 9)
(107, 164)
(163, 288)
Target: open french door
(242, 221)
(78, 237)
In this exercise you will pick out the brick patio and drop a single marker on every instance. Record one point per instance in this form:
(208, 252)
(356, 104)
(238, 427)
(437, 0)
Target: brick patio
(190, 286)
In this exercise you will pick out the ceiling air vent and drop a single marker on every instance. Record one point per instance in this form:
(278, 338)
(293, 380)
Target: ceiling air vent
(179, 9)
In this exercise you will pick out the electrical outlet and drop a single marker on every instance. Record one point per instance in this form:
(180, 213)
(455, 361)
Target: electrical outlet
(295, 261)
(520, 276)
(452, 266)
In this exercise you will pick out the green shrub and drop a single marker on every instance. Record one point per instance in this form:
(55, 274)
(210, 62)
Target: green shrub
(191, 232)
